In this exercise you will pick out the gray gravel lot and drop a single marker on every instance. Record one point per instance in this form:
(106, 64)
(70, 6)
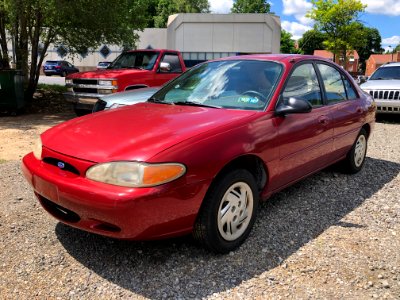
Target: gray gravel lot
(331, 236)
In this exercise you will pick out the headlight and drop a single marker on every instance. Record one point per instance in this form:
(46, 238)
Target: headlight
(116, 105)
(107, 82)
(135, 174)
(68, 81)
(37, 149)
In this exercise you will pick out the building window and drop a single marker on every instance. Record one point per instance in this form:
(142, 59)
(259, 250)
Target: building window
(105, 51)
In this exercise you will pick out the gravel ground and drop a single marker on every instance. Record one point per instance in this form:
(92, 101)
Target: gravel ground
(330, 236)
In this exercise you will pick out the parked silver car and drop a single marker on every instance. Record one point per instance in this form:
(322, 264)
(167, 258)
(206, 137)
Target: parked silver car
(384, 87)
(124, 98)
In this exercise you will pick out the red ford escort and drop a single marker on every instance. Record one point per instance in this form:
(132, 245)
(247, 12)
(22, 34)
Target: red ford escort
(200, 154)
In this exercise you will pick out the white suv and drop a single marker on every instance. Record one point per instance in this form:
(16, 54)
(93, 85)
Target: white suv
(384, 86)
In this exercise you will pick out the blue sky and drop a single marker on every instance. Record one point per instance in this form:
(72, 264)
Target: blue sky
(381, 14)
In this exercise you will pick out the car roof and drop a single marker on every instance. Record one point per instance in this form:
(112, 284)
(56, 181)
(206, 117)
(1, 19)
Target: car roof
(390, 64)
(284, 58)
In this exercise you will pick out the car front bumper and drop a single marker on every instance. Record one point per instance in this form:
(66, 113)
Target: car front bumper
(388, 106)
(119, 212)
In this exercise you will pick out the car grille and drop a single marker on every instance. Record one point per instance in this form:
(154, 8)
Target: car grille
(386, 95)
(99, 106)
(84, 81)
(58, 211)
(61, 164)
(85, 90)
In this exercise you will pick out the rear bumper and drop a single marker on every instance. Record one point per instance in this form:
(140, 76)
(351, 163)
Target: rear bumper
(118, 212)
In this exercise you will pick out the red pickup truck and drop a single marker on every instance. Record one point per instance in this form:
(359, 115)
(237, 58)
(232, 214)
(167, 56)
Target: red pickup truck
(131, 70)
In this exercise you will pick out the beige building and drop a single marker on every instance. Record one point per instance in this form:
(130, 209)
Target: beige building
(198, 36)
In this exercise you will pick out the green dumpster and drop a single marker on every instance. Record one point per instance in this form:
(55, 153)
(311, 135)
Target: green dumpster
(11, 91)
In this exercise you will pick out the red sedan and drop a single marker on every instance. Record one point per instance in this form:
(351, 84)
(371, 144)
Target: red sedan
(203, 151)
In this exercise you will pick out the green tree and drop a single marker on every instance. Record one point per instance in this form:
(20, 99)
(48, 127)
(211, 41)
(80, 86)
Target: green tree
(150, 12)
(338, 19)
(370, 43)
(397, 48)
(78, 25)
(251, 6)
(165, 8)
(312, 40)
(287, 43)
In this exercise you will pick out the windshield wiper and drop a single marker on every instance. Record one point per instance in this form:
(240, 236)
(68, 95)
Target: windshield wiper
(155, 100)
(136, 67)
(195, 103)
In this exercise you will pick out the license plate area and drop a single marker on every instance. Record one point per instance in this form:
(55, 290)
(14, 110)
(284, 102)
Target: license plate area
(45, 188)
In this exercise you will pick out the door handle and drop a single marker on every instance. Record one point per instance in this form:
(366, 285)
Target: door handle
(324, 120)
(359, 110)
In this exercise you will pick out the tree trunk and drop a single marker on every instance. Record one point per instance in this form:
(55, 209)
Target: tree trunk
(4, 59)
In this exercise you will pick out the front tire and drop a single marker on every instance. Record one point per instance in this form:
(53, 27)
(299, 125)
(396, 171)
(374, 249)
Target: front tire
(355, 159)
(228, 212)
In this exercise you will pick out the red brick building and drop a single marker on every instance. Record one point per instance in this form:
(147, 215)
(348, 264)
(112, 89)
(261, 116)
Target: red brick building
(377, 60)
(352, 59)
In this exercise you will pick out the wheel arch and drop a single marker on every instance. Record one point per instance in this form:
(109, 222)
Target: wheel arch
(367, 128)
(249, 162)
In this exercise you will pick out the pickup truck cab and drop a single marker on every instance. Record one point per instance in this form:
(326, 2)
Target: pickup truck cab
(131, 70)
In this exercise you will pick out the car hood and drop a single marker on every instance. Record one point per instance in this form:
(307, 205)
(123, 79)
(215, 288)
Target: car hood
(130, 97)
(393, 84)
(106, 73)
(135, 132)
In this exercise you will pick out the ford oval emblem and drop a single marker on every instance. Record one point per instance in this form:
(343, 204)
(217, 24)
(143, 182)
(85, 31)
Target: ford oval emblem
(61, 165)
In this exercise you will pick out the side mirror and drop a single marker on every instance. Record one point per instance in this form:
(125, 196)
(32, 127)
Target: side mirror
(293, 106)
(165, 67)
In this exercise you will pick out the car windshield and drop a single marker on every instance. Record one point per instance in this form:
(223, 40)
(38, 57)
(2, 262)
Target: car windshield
(135, 60)
(236, 84)
(386, 73)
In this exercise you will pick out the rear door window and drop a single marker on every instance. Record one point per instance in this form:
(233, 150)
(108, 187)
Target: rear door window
(333, 82)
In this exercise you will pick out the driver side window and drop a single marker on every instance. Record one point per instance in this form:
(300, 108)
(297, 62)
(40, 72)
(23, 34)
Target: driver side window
(303, 84)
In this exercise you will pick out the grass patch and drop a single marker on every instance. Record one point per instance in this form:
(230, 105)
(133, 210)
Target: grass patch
(2, 161)
(54, 88)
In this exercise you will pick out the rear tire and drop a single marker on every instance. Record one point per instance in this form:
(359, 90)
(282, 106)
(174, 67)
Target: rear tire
(228, 212)
(355, 158)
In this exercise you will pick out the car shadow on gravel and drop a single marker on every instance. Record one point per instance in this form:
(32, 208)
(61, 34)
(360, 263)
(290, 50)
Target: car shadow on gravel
(287, 221)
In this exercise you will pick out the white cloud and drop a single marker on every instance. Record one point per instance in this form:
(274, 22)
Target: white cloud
(295, 28)
(393, 41)
(297, 8)
(383, 7)
(221, 6)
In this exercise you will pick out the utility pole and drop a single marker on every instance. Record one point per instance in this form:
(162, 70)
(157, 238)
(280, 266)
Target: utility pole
(390, 46)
